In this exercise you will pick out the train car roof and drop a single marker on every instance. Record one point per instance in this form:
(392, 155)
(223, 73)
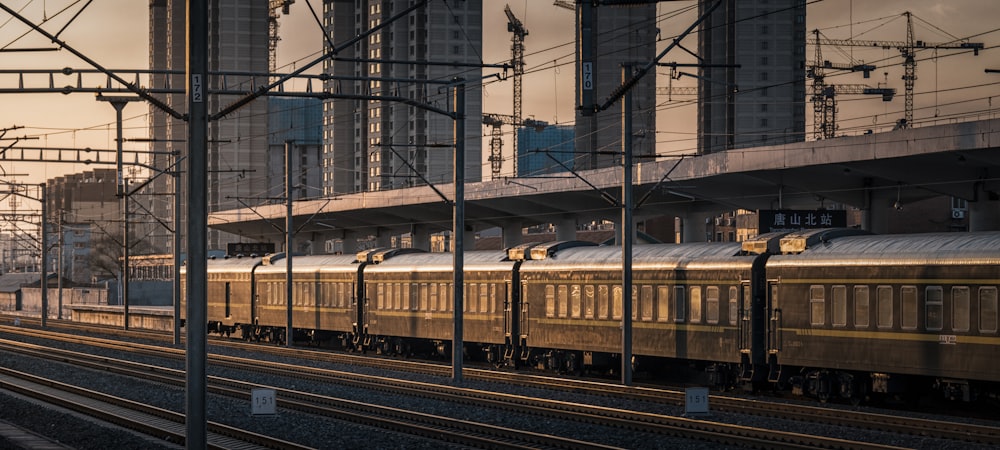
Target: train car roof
(437, 261)
(700, 255)
(926, 248)
(231, 264)
(313, 263)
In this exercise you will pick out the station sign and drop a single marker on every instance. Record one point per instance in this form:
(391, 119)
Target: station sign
(771, 220)
(250, 248)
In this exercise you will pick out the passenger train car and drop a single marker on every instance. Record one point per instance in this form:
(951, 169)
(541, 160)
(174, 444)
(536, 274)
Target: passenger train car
(832, 313)
(856, 313)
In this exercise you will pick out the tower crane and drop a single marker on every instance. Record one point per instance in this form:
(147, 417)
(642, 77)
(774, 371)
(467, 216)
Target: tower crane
(825, 104)
(498, 120)
(272, 29)
(908, 50)
(824, 95)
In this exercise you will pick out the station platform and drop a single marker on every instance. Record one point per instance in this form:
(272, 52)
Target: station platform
(159, 318)
(22, 438)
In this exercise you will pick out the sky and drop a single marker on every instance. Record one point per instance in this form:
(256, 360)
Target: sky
(114, 33)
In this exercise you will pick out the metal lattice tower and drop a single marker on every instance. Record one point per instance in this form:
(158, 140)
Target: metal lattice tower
(517, 61)
(908, 50)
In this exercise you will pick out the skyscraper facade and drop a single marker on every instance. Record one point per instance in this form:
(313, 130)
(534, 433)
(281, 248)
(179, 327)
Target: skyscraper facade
(371, 144)
(755, 92)
(295, 123)
(609, 37)
(537, 148)
(237, 143)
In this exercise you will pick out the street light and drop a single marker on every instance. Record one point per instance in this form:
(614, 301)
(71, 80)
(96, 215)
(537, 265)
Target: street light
(119, 102)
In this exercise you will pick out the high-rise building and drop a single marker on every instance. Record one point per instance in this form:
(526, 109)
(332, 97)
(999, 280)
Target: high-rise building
(609, 37)
(373, 145)
(237, 143)
(84, 220)
(297, 123)
(758, 98)
(538, 147)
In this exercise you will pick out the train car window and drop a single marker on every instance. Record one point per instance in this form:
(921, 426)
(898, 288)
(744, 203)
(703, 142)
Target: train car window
(424, 297)
(908, 307)
(602, 301)
(471, 294)
(563, 300)
(398, 297)
(934, 308)
(588, 301)
(448, 297)
(432, 293)
(550, 301)
(839, 304)
(817, 305)
(960, 308)
(883, 300)
(575, 301)
(712, 304)
(493, 298)
(862, 312)
(694, 294)
(635, 303)
(747, 301)
(662, 300)
(617, 305)
(484, 297)
(646, 302)
(988, 310)
(680, 306)
(380, 296)
(733, 304)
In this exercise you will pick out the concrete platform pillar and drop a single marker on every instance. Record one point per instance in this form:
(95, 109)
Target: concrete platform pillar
(875, 218)
(566, 229)
(618, 232)
(694, 226)
(383, 238)
(513, 233)
(349, 243)
(984, 215)
(420, 237)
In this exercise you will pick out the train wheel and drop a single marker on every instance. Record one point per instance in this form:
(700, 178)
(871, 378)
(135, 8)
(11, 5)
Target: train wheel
(573, 364)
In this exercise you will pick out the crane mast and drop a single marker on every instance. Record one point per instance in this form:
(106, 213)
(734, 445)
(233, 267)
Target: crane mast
(498, 120)
(824, 95)
(272, 30)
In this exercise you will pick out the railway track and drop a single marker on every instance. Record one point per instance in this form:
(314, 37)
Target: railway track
(450, 430)
(651, 423)
(158, 423)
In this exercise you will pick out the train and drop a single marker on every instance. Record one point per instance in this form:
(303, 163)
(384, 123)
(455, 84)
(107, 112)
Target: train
(826, 313)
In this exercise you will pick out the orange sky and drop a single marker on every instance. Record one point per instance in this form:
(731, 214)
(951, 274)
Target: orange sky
(114, 33)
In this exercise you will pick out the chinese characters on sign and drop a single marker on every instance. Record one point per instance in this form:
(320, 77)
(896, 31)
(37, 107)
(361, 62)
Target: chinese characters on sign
(794, 219)
(250, 248)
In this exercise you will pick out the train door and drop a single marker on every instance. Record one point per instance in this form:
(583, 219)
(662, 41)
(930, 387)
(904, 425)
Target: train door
(525, 323)
(744, 323)
(774, 330)
(357, 307)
